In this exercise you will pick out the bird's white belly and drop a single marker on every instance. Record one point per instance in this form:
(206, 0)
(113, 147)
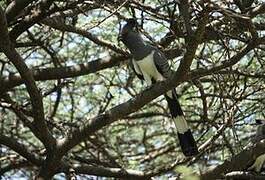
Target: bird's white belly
(149, 69)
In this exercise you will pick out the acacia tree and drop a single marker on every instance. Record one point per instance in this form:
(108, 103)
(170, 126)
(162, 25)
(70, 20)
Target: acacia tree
(70, 106)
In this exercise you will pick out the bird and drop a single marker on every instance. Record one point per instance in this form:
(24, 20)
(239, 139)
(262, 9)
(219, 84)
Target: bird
(151, 65)
(259, 163)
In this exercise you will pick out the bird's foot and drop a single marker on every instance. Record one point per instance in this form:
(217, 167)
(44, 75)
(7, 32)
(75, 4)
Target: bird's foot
(149, 87)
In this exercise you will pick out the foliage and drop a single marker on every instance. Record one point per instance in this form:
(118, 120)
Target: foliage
(80, 73)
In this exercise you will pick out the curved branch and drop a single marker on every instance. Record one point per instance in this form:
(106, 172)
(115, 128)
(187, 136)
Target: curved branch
(56, 23)
(118, 112)
(26, 23)
(15, 7)
(237, 163)
(42, 131)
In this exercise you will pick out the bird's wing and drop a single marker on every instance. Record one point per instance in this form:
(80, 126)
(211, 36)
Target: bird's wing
(161, 64)
(136, 69)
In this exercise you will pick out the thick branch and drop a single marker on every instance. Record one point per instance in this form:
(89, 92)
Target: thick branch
(26, 23)
(111, 172)
(15, 7)
(20, 149)
(62, 72)
(72, 71)
(13, 166)
(237, 163)
(184, 9)
(42, 131)
(126, 108)
(110, 116)
(192, 45)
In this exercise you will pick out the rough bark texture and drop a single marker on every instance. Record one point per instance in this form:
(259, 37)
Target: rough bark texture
(81, 112)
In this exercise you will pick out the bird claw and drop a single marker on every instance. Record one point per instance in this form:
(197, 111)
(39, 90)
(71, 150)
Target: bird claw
(149, 87)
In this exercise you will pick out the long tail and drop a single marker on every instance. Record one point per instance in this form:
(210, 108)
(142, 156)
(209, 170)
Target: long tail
(186, 140)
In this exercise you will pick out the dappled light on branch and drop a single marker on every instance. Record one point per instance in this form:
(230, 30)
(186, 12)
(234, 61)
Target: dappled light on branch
(132, 89)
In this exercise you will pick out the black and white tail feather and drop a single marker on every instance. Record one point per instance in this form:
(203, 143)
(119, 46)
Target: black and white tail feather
(186, 140)
(151, 65)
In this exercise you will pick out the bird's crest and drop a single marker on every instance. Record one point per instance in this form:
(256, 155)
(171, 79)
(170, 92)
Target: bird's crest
(131, 25)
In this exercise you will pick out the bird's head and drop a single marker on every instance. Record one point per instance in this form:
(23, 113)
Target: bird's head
(130, 26)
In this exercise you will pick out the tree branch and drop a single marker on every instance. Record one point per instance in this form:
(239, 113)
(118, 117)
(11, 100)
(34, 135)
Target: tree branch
(192, 45)
(111, 172)
(20, 149)
(62, 72)
(243, 176)
(42, 131)
(26, 23)
(229, 63)
(126, 108)
(238, 163)
(13, 166)
(13, 80)
(184, 9)
(15, 7)
(60, 25)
